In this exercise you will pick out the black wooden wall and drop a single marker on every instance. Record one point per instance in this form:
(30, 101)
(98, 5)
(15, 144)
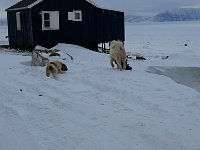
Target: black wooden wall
(81, 33)
(20, 39)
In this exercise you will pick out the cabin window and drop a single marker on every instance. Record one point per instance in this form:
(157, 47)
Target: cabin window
(76, 15)
(50, 20)
(18, 20)
(47, 20)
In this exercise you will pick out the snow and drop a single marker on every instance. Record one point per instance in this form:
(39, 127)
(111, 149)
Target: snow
(3, 34)
(93, 106)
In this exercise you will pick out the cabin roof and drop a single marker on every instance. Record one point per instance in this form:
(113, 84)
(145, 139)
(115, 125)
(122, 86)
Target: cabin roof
(21, 5)
(24, 4)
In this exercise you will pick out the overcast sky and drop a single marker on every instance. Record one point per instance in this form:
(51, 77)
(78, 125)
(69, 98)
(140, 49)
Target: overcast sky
(143, 7)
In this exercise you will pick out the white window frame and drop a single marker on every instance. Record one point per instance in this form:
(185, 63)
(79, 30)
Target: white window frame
(18, 20)
(53, 20)
(72, 15)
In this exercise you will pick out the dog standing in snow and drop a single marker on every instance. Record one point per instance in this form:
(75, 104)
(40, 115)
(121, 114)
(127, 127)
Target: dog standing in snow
(55, 67)
(118, 54)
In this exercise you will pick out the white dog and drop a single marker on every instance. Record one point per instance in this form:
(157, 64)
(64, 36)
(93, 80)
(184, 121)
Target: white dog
(118, 54)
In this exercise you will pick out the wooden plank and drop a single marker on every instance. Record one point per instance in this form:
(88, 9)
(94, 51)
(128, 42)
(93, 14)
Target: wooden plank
(38, 59)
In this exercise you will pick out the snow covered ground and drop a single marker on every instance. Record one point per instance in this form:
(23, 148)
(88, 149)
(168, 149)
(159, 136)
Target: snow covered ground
(155, 106)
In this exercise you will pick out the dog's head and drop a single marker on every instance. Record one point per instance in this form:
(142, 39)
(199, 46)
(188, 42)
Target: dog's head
(64, 67)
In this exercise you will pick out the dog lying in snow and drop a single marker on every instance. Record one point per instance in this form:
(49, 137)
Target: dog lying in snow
(55, 67)
(118, 54)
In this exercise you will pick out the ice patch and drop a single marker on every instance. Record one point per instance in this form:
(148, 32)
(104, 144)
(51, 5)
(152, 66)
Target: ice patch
(188, 76)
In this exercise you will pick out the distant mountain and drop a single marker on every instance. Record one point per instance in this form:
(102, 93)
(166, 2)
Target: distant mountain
(132, 18)
(182, 14)
(3, 22)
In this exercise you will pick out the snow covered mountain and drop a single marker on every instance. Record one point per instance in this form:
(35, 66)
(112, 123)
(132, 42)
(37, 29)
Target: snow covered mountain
(182, 14)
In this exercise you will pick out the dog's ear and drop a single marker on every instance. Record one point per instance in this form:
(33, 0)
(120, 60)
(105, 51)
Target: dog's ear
(64, 67)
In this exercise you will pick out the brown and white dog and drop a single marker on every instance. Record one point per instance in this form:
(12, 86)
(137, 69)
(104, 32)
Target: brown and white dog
(118, 54)
(55, 67)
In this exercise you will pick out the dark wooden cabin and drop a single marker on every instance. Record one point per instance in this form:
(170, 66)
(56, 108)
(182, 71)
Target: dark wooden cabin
(49, 22)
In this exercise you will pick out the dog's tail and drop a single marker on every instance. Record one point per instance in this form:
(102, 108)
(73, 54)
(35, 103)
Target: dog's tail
(47, 69)
(50, 69)
(50, 66)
